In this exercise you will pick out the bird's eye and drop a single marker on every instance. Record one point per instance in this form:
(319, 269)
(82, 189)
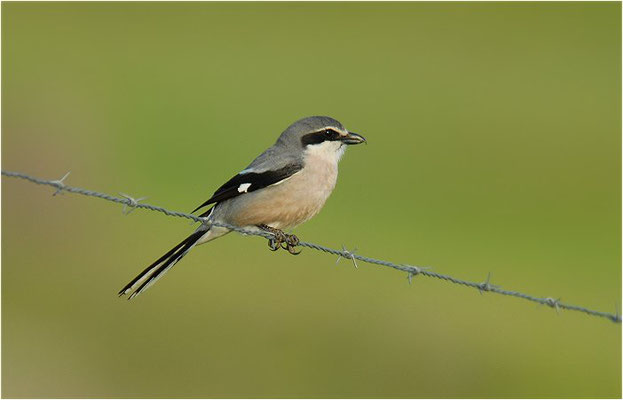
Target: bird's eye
(329, 134)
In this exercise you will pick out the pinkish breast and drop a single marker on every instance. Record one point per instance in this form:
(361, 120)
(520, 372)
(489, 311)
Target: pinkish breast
(292, 201)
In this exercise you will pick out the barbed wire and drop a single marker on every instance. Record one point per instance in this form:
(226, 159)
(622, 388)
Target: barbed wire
(412, 271)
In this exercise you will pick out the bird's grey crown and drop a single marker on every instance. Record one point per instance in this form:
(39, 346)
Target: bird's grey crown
(288, 150)
(294, 133)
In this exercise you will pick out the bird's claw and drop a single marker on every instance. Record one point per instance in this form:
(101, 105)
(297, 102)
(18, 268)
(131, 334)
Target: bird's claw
(277, 240)
(273, 244)
(290, 244)
(282, 240)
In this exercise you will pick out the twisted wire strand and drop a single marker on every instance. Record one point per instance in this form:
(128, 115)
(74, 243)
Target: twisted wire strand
(411, 270)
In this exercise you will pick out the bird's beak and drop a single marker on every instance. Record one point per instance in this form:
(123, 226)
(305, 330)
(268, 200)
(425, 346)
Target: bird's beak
(353, 138)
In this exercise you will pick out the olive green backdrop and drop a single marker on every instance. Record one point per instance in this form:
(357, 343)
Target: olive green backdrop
(494, 146)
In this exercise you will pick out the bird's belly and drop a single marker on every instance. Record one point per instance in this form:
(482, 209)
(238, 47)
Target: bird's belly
(287, 204)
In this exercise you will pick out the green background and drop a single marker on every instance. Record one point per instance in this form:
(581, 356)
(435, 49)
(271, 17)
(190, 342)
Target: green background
(494, 146)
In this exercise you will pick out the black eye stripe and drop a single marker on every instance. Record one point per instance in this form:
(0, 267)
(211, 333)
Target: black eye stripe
(331, 134)
(320, 136)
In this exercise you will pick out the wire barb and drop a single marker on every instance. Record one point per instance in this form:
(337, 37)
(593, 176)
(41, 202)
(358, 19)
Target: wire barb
(554, 303)
(616, 318)
(347, 254)
(486, 286)
(411, 270)
(132, 203)
(59, 184)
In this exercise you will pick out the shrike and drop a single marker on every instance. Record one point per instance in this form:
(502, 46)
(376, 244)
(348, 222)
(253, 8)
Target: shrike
(283, 187)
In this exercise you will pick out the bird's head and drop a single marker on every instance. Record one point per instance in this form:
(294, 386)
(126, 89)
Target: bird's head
(321, 135)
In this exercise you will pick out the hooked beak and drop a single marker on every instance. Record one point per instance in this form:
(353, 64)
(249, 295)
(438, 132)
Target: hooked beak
(353, 138)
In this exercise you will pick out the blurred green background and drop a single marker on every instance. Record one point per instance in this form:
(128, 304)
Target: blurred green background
(494, 146)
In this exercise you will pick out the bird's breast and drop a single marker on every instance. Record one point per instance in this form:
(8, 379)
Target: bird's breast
(290, 202)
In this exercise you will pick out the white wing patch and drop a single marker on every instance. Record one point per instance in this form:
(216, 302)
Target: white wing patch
(244, 187)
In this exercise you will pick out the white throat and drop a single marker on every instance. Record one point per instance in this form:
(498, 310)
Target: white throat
(330, 152)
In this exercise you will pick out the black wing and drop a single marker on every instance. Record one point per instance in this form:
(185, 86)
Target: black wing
(250, 182)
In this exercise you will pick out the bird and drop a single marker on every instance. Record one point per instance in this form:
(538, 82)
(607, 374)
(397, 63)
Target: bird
(283, 187)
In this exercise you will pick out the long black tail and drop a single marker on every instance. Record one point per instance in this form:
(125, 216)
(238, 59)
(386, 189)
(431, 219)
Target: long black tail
(160, 266)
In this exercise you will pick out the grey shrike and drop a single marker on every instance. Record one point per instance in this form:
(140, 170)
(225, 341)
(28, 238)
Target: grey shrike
(283, 187)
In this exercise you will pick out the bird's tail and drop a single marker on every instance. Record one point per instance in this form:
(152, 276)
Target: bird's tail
(152, 273)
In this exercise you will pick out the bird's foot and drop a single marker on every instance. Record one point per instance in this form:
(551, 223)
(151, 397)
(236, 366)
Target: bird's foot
(290, 244)
(281, 240)
(276, 242)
